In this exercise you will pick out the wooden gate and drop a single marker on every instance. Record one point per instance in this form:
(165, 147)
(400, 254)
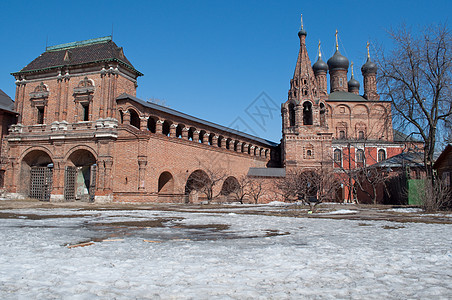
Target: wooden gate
(40, 183)
(70, 174)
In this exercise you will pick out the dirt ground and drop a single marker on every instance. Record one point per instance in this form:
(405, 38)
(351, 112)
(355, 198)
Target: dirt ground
(327, 210)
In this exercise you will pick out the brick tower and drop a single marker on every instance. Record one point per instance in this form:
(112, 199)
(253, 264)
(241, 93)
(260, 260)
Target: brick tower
(306, 141)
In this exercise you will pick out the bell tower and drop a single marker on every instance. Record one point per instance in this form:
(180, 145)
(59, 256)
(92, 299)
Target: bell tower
(304, 121)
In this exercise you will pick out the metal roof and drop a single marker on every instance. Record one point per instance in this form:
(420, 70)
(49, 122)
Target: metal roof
(267, 172)
(6, 103)
(78, 53)
(407, 159)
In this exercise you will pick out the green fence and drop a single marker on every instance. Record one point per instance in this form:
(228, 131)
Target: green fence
(415, 190)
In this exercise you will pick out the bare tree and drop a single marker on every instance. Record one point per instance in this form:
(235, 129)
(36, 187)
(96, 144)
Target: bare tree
(161, 102)
(204, 182)
(416, 76)
(256, 189)
(239, 190)
(312, 186)
(436, 195)
(368, 179)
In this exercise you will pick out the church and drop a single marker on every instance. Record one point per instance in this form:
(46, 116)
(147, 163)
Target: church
(79, 133)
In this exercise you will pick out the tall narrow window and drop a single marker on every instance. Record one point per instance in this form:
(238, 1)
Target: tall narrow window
(307, 113)
(291, 115)
(338, 157)
(40, 117)
(342, 134)
(360, 156)
(322, 114)
(85, 111)
(381, 155)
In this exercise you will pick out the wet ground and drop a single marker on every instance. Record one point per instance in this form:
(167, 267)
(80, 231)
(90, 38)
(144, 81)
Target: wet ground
(279, 251)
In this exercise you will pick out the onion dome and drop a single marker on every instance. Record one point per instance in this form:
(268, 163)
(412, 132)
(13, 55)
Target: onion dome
(302, 32)
(369, 67)
(319, 66)
(338, 62)
(353, 84)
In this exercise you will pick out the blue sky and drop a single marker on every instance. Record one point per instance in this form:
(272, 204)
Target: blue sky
(211, 59)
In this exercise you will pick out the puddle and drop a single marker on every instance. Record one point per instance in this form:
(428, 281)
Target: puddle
(4, 215)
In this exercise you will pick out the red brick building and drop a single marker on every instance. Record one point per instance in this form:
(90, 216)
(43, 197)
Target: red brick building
(83, 135)
(339, 129)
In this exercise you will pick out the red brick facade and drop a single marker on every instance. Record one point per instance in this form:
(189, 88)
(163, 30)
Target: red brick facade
(83, 135)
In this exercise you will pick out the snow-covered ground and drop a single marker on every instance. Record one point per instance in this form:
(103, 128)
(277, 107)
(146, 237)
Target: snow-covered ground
(263, 257)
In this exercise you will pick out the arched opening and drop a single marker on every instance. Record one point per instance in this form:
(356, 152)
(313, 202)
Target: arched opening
(80, 176)
(220, 141)
(322, 114)
(211, 138)
(381, 155)
(121, 117)
(291, 114)
(166, 183)
(228, 143)
(166, 128)
(190, 133)
(202, 133)
(307, 113)
(230, 185)
(134, 118)
(152, 124)
(179, 129)
(198, 182)
(36, 175)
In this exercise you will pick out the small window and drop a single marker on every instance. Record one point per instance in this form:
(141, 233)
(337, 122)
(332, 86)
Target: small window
(360, 156)
(361, 135)
(291, 115)
(85, 112)
(338, 157)
(308, 154)
(40, 118)
(342, 135)
(341, 82)
(381, 155)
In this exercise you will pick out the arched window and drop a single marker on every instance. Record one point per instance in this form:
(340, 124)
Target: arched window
(134, 118)
(338, 157)
(307, 113)
(291, 115)
(381, 155)
(121, 116)
(322, 114)
(360, 156)
(220, 141)
(152, 124)
(309, 153)
(360, 135)
(342, 134)
(166, 128)
(179, 129)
